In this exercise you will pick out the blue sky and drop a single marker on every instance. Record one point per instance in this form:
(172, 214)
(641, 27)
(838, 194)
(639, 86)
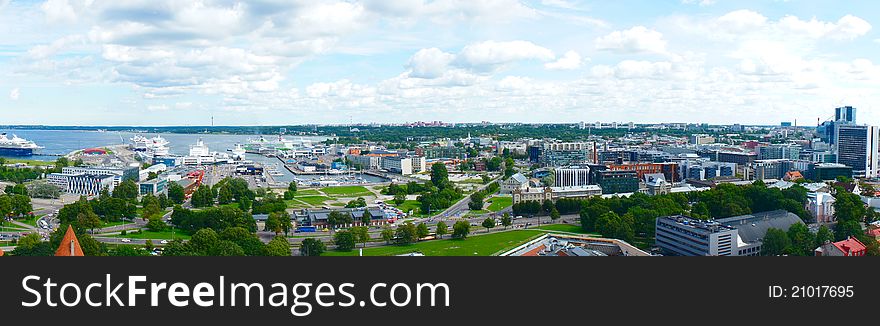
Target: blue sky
(271, 62)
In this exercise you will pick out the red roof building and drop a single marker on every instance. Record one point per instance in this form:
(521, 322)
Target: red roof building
(849, 247)
(69, 245)
(1, 252)
(95, 151)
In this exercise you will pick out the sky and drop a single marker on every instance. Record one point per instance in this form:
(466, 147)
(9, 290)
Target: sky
(274, 62)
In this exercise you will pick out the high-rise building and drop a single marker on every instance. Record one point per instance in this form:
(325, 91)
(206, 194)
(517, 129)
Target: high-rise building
(846, 114)
(781, 151)
(857, 147)
(572, 177)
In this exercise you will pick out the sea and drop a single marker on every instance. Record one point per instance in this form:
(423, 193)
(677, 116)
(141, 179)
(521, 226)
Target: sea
(61, 142)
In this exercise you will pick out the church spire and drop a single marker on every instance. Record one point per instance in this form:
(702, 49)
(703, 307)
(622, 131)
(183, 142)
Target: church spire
(69, 245)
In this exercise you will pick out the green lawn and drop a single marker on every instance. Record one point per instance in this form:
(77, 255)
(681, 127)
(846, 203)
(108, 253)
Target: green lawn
(475, 245)
(347, 191)
(29, 162)
(307, 192)
(311, 200)
(31, 221)
(166, 235)
(110, 224)
(499, 203)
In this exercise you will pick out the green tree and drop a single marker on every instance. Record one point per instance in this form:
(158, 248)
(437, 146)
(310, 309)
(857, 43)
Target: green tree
(292, 187)
(279, 246)
(422, 230)
(823, 235)
(337, 218)
(439, 176)
(488, 223)
(442, 229)
(803, 242)
(156, 224)
(367, 217)
(361, 234)
(127, 190)
(248, 241)
(461, 229)
(775, 243)
(399, 198)
(176, 193)
(506, 221)
(387, 234)
(312, 247)
(406, 234)
(224, 195)
(344, 240)
(554, 214)
(203, 197)
(21, 205)
(476, 202)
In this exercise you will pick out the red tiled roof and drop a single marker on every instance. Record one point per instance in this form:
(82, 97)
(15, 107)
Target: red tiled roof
(534, 252)
(874, 233)
(850, 245)
(1, 252)
(69, 245)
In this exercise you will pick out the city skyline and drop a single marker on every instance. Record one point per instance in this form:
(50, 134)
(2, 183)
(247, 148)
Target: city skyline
(337, 62)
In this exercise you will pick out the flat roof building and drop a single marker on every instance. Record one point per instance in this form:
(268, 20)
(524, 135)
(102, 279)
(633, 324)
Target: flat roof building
(733, 236)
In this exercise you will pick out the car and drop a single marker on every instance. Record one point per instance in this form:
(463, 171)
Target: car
(164, 242)
(125, 240)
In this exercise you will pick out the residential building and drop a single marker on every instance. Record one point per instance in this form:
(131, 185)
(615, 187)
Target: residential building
(734, 236)
(398, 164)
(775, 152)
(364, 162)
(849, 247)
(858, 147)
(515, 182)
(541, 194)
(566, 154)
(820, 205)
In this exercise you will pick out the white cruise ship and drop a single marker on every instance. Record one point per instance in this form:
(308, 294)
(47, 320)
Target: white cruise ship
(17, 146)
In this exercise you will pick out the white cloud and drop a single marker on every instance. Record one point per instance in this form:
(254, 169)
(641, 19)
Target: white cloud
(702, 3)
(59, 11)
(490, 55)
(638, 39)
(741, 21)
(847, 27)
(569, 61)
(14, 94)
(429, 63)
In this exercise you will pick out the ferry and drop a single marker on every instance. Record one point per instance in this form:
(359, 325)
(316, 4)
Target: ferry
(17, 146)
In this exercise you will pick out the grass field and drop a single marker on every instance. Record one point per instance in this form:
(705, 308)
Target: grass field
(110, 224)
(499, 203)
(29, 162)
(307, 192)
(31, 221)
(311, 200)
(475, 245)
(347, 191)
(166, 235)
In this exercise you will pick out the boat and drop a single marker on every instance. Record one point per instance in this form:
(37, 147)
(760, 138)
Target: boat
(17, 146)
(138, 143)
(238, 153)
